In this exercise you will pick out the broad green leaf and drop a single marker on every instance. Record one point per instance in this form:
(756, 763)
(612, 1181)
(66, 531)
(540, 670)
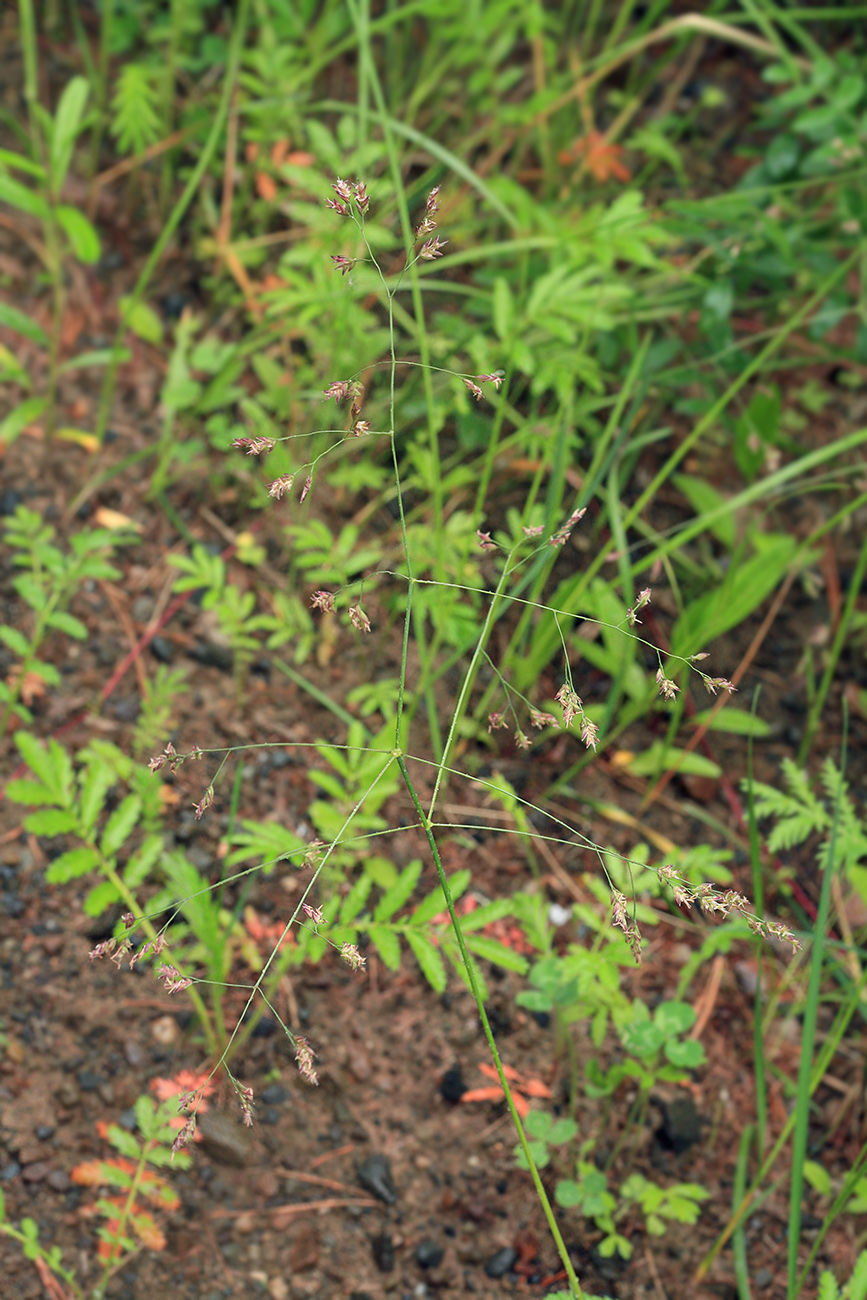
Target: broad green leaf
(29, 792)
(23, 198)
(77, 862)
(52, 765)
(20, 416)
(538, 1124)
(51, 821)
(65, 129)
(16, 641)
(387, 945)
(562, 1130)
(704, 499)
(67, 623)
(494, 951)
(380, 870)
(735, 722)
(674, 1018)
(80, 233)
(123, 1142)
(16, 320)
(98, 780)
(95, 357)
(686, 1055)
(120, 825)
(355, 899)
(428, 957)
(488, 912)
(141, 862)
(659, 758)
(503, 309)
(267, 840)
(11, 370)
(743, 589)
(142, 320)
(818, 1177)
(101, 897)
(145, 1116)
(435, 902)
(568, 1194)
(395, 897)
(18, 162)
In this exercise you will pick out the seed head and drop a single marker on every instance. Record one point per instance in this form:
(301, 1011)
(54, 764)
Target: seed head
(632, 614)
(172, 979)
(185, 1136)
(352, 956)
(667, 688)
(280, 486)
(324, 601)
(254, 446)
(431, 249)
(359, 619)
(304, 1055)
(712, 684)
(204, 803)
(570, 703)
(343, 264)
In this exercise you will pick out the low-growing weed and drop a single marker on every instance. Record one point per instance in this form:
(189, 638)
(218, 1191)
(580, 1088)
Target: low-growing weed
(51, 578)
(133, 1196)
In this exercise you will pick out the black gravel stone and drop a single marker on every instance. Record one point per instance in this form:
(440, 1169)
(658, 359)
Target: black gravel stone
(502, 1263)
(429, 1254)
(212, 656)
(161, 650)
(452, 1085)
(382, 1249)
(374, 1175)
(681, 1124)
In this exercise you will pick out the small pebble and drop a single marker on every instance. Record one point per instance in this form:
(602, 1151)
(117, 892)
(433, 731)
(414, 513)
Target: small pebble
(35, 1173)
(88, 1081)
(382, 1248)
(59, 1181)
(10, 1171)
(162, 650)
(134, 1053)
(681, 1124)
(452, 1086)
(429, 1254)
(502, 1262)
(164, 1030)
(374, 1175)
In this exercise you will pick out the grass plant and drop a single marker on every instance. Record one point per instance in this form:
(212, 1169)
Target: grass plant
(587, 319)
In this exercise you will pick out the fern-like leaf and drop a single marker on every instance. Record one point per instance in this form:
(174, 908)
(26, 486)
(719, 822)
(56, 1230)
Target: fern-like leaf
(135, 122)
